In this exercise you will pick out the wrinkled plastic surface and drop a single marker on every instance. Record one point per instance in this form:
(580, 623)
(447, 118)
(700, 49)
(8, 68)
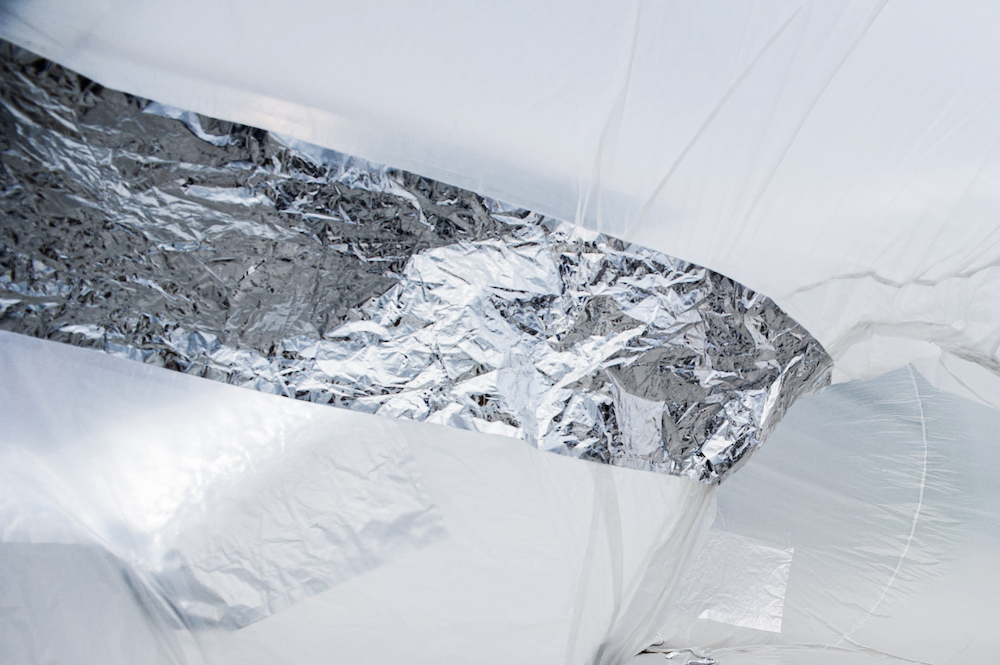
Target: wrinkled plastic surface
(738, 581)
(838, 156)
(307, 273)
(885, 495)
(229, 513)
(145, 518)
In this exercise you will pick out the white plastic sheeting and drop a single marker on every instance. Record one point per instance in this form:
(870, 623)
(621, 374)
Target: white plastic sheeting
(865, 531)
(884, 495)
(838, 156)
(150, 517)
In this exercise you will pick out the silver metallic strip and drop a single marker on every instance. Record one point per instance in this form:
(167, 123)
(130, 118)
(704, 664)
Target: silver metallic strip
(224, 251)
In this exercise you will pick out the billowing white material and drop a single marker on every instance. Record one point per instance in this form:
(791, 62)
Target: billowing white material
(232, 513)
(366, 540)
(838, 156)
(886, 492)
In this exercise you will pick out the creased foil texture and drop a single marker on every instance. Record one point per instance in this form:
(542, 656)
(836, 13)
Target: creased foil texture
(225, 251)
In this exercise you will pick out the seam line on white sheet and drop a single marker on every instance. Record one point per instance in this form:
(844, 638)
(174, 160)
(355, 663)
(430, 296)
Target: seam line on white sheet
(913, 522)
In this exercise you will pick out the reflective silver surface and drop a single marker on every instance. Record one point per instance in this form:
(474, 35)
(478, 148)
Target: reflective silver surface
(227, 252)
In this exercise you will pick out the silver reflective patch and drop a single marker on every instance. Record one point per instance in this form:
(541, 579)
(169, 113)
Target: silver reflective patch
(227, 252)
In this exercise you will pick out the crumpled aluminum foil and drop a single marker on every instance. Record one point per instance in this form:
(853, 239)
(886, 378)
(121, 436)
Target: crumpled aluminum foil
(231, 253)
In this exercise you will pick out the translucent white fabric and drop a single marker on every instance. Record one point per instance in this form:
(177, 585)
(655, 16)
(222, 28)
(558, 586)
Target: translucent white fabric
(868, 531)
(148, 516)
(865, 531)
(838, 156)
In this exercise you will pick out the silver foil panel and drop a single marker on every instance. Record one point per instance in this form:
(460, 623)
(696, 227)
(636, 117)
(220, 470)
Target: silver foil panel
(231, 253)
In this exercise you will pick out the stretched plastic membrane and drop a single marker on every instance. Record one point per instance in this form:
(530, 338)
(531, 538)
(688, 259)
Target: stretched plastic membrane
(839, 156)
(148, 516)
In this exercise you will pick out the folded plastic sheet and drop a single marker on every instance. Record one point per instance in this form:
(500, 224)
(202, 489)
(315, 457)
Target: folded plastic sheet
(231, 513)
(368, 540)
(223, 251)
